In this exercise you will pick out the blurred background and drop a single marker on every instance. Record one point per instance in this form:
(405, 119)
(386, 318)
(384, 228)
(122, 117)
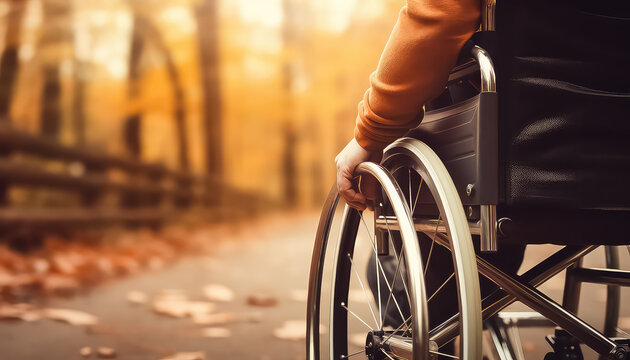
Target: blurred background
(256, 96)
(181, 147)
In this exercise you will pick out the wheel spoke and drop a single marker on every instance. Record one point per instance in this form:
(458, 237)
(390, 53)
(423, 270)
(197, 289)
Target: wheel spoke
(386, 354)
(426, 266)
(363, 288)
(443, 354)
(440, 288)
(377, 263)
(413, 209)
(399, 328)
(391, 290)
(343, 305)
(398, 257)
(353, 354)
(409, 182)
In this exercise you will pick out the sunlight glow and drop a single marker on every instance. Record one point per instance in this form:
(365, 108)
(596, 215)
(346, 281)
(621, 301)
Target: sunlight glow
(266, 13)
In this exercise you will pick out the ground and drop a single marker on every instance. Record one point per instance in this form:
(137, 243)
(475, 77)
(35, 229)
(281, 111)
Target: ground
(269, 257)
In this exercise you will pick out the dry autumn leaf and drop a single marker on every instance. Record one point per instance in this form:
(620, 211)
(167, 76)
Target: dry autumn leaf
(73, 317)
(182, 308)
(137, 297)
(59, 284)
(261, 300)
(106, 353)
(187, 356)
(217, 292)
(25, 312)
(85, 351)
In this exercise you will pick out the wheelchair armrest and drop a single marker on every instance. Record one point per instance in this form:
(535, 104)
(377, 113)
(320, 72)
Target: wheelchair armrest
(464, 134)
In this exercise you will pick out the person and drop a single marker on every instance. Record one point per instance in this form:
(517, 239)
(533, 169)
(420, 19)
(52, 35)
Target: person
(414, 67)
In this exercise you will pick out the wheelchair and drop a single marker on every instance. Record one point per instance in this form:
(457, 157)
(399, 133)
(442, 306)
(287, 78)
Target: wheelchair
(530, 151)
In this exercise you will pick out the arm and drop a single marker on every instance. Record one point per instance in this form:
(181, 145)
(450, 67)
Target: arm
(414, 67)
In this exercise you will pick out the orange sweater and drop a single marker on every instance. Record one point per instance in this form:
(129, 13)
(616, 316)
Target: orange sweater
(414, 67)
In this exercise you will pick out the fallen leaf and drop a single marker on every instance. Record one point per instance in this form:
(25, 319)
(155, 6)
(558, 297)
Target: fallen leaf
(25, 312)
(182, 308)
(226, 318)
(106, 353)
(187, 356)
(261, 300)
(72, 317)
(137, 297)
(216, 332)
(85, 351)
(217, 292)
(59, 284)
(40, 266)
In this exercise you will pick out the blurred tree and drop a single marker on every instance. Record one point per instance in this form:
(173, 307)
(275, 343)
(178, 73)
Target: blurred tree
(9, 60)
(56, 41)
(8, 71)
(208, 37)
(145, 31)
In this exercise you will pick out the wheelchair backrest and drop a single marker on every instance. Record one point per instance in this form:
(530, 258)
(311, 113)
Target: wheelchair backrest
(563, 84)
(563, 79)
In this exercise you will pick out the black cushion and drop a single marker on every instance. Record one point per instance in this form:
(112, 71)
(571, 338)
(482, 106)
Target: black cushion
(563, 71)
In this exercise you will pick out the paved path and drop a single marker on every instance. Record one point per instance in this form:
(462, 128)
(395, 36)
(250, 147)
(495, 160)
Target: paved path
(270, 257)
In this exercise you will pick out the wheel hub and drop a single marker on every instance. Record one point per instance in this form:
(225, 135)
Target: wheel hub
(373, 345)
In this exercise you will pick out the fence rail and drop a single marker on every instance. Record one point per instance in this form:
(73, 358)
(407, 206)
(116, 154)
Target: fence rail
(148, 192)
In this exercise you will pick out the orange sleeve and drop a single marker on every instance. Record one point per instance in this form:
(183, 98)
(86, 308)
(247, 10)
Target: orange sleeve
(414, 67)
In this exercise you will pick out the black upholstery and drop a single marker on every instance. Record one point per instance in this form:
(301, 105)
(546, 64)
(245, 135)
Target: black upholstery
(563, 71)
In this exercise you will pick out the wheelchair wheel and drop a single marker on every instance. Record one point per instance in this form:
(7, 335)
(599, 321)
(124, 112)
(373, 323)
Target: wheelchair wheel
(438, 212)
(333, 302)
(403, 285)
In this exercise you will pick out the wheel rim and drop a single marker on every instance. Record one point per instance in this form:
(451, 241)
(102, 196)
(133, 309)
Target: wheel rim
(343, 269)
(417, 156)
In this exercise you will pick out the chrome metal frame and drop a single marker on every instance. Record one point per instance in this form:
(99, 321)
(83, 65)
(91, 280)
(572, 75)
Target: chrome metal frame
(488, 212)
(487, 15)
(486, 67)
(523, 289)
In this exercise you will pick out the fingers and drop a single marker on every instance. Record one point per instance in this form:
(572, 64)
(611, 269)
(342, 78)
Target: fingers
(369, 187)
(348, 193)
(351, 156)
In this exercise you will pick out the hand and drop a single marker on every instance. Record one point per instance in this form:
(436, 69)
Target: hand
(347, 160)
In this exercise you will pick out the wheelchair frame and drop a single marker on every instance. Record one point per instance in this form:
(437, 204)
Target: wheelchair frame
(522, 288)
